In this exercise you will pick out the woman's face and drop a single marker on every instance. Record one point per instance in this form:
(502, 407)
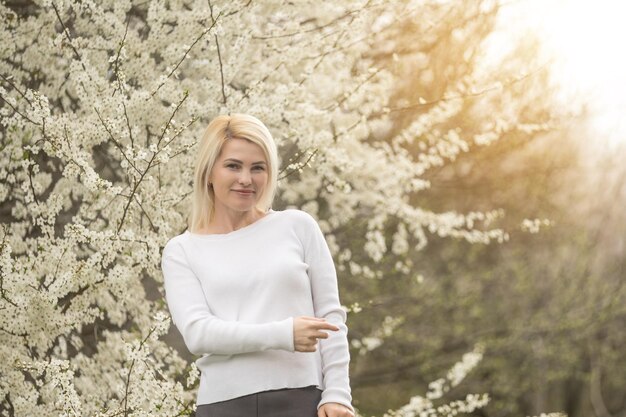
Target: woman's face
(239, 176)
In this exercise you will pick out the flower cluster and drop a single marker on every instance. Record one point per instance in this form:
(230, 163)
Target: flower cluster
(103, 104)
(376, 338)
(533, 225)
(420, 406)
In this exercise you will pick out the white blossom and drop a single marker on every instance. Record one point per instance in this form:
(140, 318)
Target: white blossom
(114, 97)
(424, 406)
(533, 225)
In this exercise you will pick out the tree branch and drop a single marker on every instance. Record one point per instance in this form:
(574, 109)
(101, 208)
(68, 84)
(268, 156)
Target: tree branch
(130, 371)
(116, 64)
(495, 87)
(18, 112)
(115, 142)
(150, 163)
(303, 165)
(69, 41)
(219, 55)
(185, 55)
(315, 29)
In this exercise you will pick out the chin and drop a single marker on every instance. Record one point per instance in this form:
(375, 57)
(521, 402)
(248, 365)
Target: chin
(243, 208)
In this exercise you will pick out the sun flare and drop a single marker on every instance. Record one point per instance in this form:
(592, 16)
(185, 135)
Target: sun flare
(584, 40)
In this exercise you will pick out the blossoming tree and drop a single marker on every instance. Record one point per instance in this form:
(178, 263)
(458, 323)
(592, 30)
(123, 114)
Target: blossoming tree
(102, 106)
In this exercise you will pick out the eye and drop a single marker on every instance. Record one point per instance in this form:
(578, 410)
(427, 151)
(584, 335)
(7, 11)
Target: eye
(232, 166)
(259, 168)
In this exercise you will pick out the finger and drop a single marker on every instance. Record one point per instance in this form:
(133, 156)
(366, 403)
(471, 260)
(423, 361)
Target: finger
(313, 318)
(320, 323)
(312, 341)
(306, 348)
(326, 326)
(321, 412)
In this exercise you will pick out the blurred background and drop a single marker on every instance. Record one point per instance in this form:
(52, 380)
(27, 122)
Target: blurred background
(549, 306)
(549, 303)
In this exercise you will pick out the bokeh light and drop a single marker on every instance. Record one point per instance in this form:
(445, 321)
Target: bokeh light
(583, 42)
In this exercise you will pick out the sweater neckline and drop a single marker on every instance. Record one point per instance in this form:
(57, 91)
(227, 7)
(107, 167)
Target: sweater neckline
(238, 232)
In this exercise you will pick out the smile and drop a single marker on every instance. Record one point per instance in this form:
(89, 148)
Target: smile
(245, 193)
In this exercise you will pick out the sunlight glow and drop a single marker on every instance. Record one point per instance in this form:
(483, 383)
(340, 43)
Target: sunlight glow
(585, 39)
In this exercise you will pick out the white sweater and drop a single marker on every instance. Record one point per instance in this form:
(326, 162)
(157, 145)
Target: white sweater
(233, 298)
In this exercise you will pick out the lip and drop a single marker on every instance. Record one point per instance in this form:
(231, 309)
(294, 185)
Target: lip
(244, 192)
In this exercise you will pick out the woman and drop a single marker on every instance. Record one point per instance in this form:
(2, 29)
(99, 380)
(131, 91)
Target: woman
(254, 290)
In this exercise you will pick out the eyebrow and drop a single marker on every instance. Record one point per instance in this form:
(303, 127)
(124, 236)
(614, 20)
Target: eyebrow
(239, 162)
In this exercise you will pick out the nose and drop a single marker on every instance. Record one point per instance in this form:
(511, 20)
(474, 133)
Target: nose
(244, 178)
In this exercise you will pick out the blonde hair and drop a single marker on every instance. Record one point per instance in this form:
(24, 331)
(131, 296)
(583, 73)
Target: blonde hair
(221, 129)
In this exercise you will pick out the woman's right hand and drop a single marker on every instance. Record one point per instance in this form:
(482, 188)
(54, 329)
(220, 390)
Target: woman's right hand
(308, 330)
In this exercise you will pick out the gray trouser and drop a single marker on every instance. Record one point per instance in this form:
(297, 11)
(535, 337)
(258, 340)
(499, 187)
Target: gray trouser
(288, 402)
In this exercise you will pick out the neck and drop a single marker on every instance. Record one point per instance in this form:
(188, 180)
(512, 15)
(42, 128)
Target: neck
(225, 221)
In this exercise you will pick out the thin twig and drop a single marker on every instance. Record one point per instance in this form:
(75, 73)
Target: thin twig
(130, 131)
(169, 122)
(115, 142)
(193, 120)
(219, 55)
(315, 29)
(120, 86)
(185, 55)
(143, 174)
(69, 41)
(303, 165)
(154, 229)
(116, 64)
(18, 112)
(130, 370)
(30, 181)
(246, 93)
(8, 81)
(341, 35)
(239, 10)
(4, 243)
(67, 35)
(14, 334)
(464, 96)
(354, 90)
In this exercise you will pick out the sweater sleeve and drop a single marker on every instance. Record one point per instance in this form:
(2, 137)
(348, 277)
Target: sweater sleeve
(334, 350)
(202, 331)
